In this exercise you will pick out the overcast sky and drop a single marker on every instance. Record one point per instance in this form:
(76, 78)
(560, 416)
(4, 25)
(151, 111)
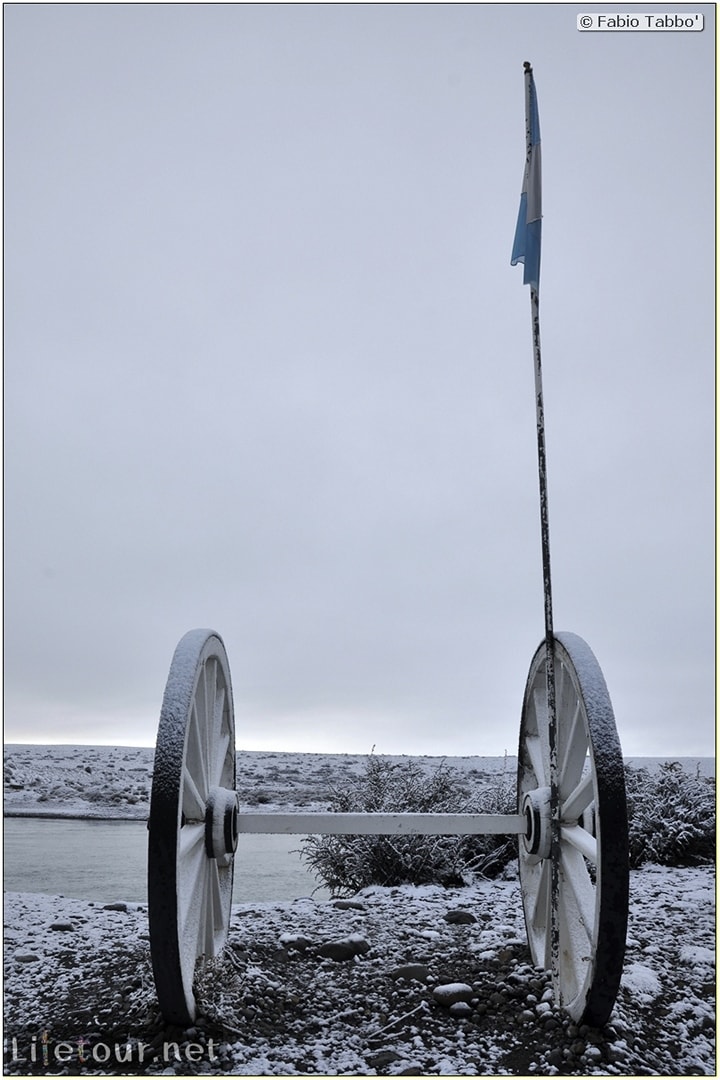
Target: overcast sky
(268, 369)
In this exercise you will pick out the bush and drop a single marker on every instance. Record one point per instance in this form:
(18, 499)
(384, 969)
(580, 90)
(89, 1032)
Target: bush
(671, 821)
(671, 816)
(346, 864)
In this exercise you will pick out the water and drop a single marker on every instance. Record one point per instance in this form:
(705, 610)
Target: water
(107, 861)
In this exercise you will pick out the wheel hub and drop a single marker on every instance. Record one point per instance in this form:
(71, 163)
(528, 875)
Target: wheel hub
(221, 824)
(536, 810)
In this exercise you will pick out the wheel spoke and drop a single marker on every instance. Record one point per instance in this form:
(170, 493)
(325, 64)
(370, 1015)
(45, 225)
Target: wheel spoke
(205, 713)
(576, 915)
(195, 756)
(582, 840)
(222, 738)
(577, 879)
(534, 748)
(213, 917)
(193, 804)
(575, 750)
(192, 860)
(578, 800)
(540, 904)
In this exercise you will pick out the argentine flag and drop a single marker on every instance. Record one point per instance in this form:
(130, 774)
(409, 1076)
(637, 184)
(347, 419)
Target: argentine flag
(526, 246)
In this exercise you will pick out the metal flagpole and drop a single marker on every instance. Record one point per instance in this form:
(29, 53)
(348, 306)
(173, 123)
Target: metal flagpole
(526, 249)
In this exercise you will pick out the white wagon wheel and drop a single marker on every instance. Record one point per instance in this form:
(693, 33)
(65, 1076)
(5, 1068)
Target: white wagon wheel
(592, 896)
(193, 825)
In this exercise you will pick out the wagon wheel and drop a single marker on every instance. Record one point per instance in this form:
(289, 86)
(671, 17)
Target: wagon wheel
(193, 821)
(592, 896)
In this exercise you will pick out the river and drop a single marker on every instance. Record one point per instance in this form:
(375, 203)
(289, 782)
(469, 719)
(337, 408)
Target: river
(107, 861)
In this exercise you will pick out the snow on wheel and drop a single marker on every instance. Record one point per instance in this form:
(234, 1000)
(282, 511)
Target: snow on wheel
(591, 902)
(193, 825)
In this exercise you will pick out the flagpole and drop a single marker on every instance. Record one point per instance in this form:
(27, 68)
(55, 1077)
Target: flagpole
(549, 647)
(530, 255)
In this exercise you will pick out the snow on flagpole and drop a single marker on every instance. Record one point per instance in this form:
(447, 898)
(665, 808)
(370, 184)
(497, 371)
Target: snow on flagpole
(526, 249)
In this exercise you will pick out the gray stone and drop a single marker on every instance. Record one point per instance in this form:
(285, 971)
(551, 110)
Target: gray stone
(382, 1058)
(62, 926)
(349, 905)
(460, 1008)
(411, 972)
(345, 949)
(26, 957)
(459, 916)
(449, 993)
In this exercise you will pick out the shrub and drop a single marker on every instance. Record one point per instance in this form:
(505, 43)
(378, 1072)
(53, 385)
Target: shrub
(671, 816)
(347, 864)
(671, 821)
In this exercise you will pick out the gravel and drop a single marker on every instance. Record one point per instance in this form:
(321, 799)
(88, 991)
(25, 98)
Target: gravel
(79, 994)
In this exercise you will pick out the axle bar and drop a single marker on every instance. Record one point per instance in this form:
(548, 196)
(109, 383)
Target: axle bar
(383, 824)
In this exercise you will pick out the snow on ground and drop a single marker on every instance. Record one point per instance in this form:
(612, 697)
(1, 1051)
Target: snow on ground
(114, 781)
(79, 996)
(79, 993)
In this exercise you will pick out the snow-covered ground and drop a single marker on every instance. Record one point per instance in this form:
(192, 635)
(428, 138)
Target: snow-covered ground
(114, 781)
(79, 994)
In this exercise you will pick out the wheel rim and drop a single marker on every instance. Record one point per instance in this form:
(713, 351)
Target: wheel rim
(193, 821)
(592, 900)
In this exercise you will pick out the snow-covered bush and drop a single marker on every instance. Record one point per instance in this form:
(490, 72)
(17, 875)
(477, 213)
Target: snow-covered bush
(671, 816)
(346, 864)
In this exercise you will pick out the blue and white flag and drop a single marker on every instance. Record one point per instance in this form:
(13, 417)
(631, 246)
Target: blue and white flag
(526, 246)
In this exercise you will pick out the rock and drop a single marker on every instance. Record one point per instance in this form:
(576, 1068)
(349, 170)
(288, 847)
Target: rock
(348, 905)
(382, 1058)
(117, 906)
(62, 926)
(460, 1008)
(411, 972)
(448, 994)
(345, 949)
(295, 941)
(458, 916)
(26, 957)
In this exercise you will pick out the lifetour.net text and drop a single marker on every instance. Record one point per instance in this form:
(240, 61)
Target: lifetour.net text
(48, 1050)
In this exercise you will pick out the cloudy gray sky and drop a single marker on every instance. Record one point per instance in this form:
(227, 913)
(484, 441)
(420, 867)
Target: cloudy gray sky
(268, 369)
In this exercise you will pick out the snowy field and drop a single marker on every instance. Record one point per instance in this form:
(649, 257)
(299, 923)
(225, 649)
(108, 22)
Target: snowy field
(114, 782)
(79, 995)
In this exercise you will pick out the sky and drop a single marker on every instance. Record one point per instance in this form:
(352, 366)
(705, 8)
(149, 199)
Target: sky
(268, 369)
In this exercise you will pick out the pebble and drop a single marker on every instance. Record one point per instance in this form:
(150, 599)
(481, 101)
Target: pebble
(459, 916)
(460, 1008)
(449, 994)
(26, 957)
(382, 1058)
(62, 926)
(411, 972)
